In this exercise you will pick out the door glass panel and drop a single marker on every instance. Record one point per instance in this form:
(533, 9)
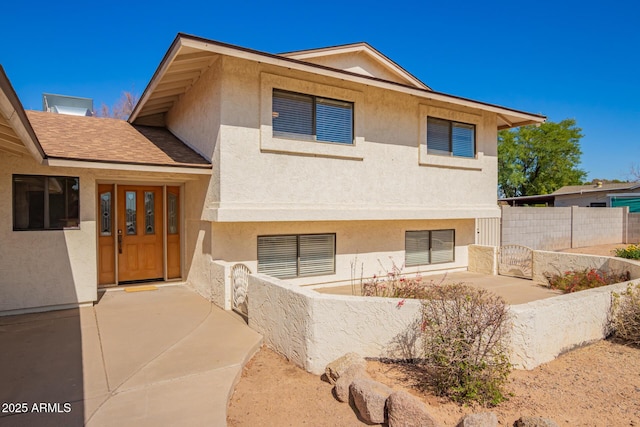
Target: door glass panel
(131, 213)
(149, 211)
(105, 214)
(173, 213)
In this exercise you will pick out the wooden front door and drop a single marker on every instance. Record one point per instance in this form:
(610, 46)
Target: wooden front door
(140, 233)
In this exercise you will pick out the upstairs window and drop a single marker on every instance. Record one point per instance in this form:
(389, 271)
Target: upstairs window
(314, 118)
(45, 202)
(429, 247)
(448, 138)
(297, 255)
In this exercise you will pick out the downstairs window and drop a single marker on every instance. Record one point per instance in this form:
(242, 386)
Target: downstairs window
(429, 247)
(289, 256)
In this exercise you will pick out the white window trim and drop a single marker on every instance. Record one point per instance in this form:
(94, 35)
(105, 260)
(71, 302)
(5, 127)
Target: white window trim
(433, 160)
(271, 144)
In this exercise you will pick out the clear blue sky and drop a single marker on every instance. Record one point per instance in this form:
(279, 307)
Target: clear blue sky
(564, 59)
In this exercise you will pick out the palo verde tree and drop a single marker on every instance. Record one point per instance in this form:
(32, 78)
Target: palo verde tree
(539, 159)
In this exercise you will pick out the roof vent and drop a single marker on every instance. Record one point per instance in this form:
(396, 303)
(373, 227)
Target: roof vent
(70, 105)
(599, 184)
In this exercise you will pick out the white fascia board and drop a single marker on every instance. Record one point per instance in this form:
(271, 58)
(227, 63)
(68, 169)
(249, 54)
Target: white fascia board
(67, 163)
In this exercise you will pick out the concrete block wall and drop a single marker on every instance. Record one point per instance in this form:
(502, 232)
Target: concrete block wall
(598, 226)
(633, 228)
(537, 228)
(564, 227)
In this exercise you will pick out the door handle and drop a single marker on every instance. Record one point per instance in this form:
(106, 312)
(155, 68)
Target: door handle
(119, 241)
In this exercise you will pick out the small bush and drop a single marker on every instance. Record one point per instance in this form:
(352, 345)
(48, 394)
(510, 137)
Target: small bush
(395, 285)
(579, 280)
(626, 317)
(465, 336)
(630, 252)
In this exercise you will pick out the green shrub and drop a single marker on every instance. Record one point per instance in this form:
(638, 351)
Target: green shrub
(579, 280)
(465, 337)
(626, 315)
(630, 252)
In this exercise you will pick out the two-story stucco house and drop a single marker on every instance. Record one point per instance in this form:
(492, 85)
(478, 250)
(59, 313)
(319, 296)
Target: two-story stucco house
(305, 166)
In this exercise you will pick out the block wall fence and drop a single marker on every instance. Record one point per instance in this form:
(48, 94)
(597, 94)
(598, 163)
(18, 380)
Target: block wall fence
(557, 228)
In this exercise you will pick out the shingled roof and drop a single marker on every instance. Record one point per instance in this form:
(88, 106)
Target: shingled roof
(110, 141)
(589, 188)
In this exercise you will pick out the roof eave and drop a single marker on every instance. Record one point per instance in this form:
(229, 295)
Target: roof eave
(128, 166)
(12, 109)
(512, 117)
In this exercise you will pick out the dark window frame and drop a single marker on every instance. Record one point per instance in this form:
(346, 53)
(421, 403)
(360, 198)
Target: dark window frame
(450, 151)
(46, 200)
(314, 119)
(453, 248)
(297, 236)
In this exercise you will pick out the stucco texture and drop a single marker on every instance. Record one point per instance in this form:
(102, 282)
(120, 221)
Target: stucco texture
(47, 269)
(312, 329)
(380, 176)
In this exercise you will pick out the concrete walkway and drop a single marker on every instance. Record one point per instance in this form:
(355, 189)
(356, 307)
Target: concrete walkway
(156, 358)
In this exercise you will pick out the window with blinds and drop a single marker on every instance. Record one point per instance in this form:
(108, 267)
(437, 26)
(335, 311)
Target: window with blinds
(429, 247)
(448, 138)
(309, 117)
(297, 255)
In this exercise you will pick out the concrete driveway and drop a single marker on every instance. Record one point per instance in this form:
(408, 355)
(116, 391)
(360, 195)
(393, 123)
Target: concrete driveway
(153, 358)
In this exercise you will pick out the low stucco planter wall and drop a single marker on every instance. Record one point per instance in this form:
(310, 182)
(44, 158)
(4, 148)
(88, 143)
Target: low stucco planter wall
(312, 329)
(544, 329)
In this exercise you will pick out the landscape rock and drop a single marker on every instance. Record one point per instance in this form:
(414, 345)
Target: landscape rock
(405, 410)
(342, 384)
(534, 422)
(341, 364)
(481, 419)
(370, 398)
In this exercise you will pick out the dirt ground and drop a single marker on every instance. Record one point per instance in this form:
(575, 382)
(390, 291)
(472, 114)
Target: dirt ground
(606, 250)
(597, 385)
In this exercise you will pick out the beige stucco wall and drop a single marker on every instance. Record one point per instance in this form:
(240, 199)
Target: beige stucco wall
(364, 247)
(382, 176)
(483, 259)
(357, 62)
(56, 268)
(46, 268)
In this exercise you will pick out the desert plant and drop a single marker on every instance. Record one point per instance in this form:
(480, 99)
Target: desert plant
(630, 252)
(626, 315)
(465, 337)
(394, 284)
(579, 280)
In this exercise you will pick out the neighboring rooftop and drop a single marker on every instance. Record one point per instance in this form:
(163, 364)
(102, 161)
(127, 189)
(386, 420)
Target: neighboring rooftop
(579, 189)
(110, 141)
(549, 199)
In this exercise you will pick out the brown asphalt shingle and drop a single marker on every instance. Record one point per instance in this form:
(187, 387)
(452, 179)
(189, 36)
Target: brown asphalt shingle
(110, 140)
